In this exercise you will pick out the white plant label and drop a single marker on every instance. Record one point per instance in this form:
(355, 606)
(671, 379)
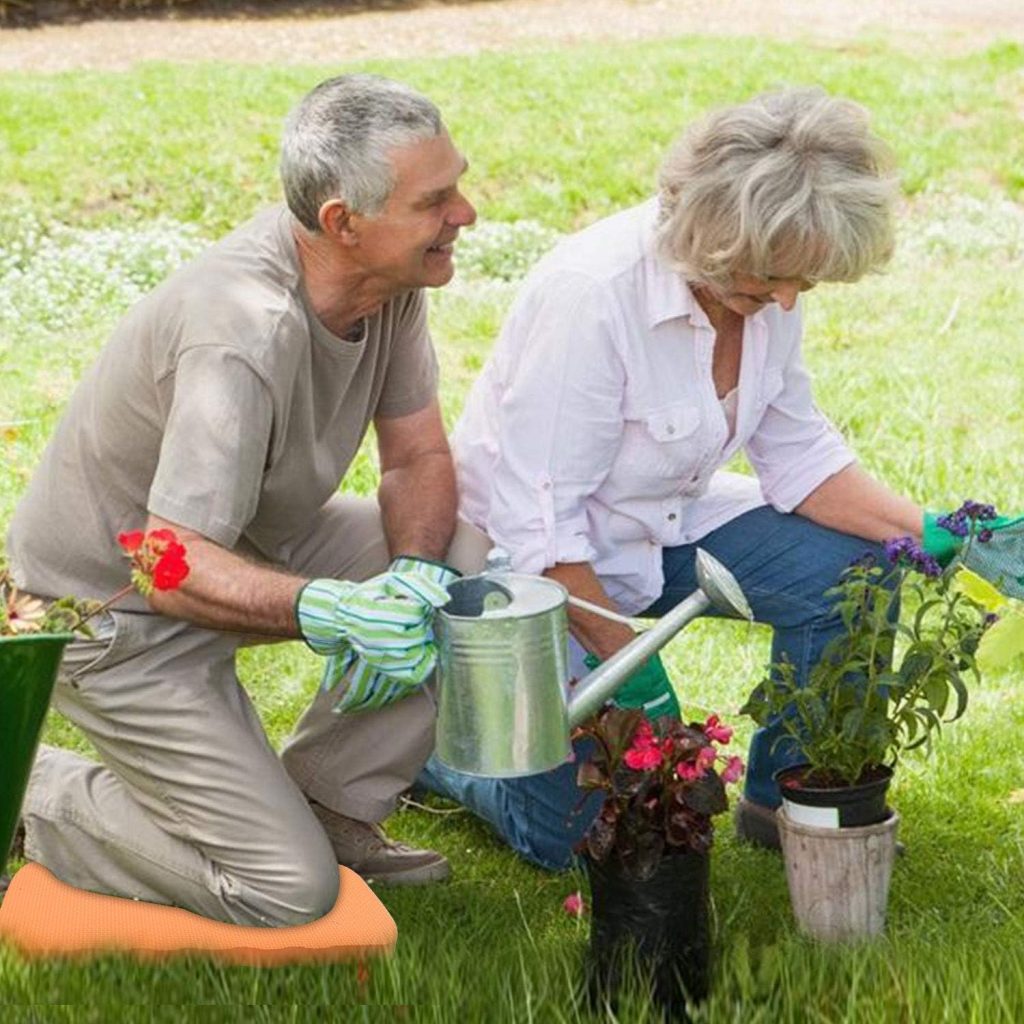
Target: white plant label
(813, 817)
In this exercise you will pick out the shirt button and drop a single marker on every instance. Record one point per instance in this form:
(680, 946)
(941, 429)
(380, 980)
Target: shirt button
(547, 486)
(671, 517)
(670, 429)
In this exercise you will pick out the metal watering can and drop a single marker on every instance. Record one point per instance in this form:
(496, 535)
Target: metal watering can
(502, 664)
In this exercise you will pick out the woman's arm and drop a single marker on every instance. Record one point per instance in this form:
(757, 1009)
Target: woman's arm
(854, 502)
(599, 636)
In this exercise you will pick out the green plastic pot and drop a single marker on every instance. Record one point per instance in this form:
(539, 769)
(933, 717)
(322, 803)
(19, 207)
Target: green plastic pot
(28, 670)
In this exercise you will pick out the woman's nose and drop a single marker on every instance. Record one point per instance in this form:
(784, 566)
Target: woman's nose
(785, 294)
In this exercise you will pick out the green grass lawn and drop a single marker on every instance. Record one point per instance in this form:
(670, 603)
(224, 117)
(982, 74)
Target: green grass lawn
(111, 179)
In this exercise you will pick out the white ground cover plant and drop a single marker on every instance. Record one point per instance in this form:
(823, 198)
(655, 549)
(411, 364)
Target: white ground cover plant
(55, 278)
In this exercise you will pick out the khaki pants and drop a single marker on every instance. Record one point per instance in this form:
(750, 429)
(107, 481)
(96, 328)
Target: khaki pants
(190, 805)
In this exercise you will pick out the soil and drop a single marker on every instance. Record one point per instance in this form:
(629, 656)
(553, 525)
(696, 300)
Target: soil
(335, 33)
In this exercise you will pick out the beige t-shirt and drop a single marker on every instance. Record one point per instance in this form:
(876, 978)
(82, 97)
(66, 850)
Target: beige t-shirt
(220, 403)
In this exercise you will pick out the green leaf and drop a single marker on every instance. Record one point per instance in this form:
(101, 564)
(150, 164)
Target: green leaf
(977, 588)
(936, 693)
(1002, 643)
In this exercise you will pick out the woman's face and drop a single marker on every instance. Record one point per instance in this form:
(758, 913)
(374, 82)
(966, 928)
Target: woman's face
(746, 294)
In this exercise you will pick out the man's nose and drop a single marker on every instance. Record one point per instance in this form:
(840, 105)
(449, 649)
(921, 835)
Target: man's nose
(463, 214)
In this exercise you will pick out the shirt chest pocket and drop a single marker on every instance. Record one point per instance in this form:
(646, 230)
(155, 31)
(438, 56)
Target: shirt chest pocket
(666, 451)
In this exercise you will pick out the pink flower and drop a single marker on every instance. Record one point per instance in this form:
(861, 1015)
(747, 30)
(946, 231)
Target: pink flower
(716, 732)
(643, 758)
(644, 736)
(688, 772)
(706, 758)
(573, 905)
(733, 770)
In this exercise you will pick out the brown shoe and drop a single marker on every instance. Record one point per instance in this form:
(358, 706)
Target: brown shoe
(755, 824)
(363, 847)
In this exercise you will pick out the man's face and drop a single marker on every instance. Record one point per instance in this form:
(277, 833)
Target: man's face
(409, 242)
(746, 295)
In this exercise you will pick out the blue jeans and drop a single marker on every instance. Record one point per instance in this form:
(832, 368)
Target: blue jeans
(784, 564)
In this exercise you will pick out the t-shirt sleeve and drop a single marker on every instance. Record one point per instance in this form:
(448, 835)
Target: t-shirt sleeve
(410, 381)
(215, 444)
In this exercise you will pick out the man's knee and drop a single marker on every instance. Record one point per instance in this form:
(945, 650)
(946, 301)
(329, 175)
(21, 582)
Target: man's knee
(302, 893)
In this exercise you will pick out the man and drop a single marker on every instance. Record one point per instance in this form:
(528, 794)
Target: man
(228, 406)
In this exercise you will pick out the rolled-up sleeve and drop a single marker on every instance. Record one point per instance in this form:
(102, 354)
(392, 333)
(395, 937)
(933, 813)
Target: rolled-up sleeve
(559, 423)
(795, 448)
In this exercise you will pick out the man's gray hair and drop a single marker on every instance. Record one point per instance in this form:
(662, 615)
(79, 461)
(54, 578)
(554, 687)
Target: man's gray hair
(337, 140)
(792, 184)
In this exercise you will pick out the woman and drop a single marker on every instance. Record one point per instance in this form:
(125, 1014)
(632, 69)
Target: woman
(640, 355)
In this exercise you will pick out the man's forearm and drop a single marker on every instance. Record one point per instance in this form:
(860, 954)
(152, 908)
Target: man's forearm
(228, 592)
(855, 502)
(418, 504)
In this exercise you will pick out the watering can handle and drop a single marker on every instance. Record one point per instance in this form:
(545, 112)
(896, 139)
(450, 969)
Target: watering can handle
(605, 613)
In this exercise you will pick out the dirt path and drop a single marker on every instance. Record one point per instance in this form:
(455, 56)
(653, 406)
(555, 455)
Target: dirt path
(452, 28)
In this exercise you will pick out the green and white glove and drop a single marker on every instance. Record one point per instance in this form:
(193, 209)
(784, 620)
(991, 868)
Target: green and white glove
(647, 688)
(378, 635)
(996, 551)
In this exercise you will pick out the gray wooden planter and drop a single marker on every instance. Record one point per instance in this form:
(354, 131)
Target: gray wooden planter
(839, 877)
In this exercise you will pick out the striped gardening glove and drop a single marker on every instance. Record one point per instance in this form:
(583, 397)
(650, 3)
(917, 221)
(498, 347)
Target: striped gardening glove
(378, 636)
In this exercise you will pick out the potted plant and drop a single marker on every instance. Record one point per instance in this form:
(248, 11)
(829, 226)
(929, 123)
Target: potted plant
(886, 684)
(647, 852)
(33, 634)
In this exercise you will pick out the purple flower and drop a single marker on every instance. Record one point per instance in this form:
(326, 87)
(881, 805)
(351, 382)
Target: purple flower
(906, 551)
(961, 522)
(985, 536)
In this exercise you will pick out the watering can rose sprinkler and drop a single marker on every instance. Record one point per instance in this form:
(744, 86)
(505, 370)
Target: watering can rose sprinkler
(502, 664)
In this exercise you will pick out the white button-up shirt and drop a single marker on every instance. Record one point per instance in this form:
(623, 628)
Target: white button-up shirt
(594, 433)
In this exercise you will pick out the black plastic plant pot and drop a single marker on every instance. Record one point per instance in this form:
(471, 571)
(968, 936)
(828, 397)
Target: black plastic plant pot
(656, 931)
(808, 803)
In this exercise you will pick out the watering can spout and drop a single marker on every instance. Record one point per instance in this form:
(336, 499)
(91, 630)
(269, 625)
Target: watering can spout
(717, 588)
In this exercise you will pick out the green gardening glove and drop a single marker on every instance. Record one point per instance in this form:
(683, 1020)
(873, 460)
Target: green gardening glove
(378, 635)
(996, 544)
(647, 688)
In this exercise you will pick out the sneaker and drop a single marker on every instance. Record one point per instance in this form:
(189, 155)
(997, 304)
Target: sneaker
(364, 847)
(755, 824)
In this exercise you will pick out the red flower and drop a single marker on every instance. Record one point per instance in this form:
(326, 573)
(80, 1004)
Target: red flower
(643, 758)
(170, 570)
(131, 541)
(688, 772)
(716, 732)
(157, 557)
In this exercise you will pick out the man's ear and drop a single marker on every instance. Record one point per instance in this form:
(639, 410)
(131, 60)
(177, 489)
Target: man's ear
(336, 222)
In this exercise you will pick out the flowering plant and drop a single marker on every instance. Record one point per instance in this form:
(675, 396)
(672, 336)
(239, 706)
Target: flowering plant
(158, 562)
(884, 685)
(662, 787)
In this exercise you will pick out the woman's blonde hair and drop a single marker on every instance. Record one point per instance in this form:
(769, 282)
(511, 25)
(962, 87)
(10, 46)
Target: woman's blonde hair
(792, 184)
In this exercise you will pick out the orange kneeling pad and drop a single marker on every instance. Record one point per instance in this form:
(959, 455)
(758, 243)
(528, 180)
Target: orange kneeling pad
(42, 916)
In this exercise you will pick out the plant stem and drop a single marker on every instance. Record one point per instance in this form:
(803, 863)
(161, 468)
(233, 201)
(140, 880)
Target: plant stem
(113, 599)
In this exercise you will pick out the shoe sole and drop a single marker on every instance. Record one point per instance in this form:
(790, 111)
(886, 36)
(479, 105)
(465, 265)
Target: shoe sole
(426, 874)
